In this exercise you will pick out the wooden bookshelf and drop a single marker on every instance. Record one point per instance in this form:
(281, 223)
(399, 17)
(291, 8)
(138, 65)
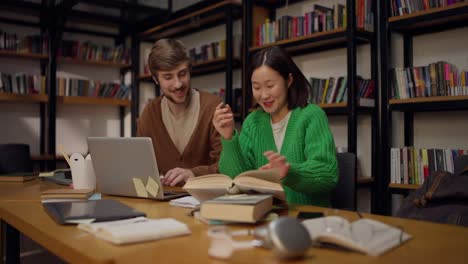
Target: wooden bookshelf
(22, 55)
(67, 60)
(333, 105)
(145, 78)
(88, 100)
(319, 41)
(23, 98)
(431, 20)
(404, 186)
(342, 108)
(364, 181)
(205, 17)
(430, 99)
(201, 68)
(432, 103)
(428, 11)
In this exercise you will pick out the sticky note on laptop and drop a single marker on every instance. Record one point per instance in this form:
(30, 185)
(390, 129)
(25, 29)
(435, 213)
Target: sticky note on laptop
(140, 188)
(152, 187)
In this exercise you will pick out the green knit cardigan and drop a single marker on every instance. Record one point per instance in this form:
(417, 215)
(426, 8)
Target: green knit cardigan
(308, 146)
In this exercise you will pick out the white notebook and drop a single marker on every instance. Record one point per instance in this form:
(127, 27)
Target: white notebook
(136, 229)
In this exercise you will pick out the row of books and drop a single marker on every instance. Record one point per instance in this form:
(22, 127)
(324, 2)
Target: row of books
(81, 87)
(403, 7)
(208, 52)
(320, 19)
(335, 90)
(91, 51)
(21, 83)
(436, 79)
(27, 44)
(413, 165)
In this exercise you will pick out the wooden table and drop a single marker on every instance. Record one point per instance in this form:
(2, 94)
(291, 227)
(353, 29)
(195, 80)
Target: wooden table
(25, 191)
(434, 243)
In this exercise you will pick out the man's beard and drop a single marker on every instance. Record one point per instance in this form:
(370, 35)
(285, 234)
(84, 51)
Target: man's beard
(187, 97)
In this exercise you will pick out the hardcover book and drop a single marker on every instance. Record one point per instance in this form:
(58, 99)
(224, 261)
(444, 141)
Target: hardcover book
(237, 208)
(256, 181)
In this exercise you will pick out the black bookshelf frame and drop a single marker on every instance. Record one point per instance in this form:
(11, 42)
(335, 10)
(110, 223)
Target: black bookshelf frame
(349, 39)
(437, 20)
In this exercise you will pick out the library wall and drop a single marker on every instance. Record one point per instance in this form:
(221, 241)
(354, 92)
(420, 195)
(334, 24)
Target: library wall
(434, 129)
(74, 122)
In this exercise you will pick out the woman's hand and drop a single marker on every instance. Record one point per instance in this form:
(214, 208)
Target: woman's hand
(223, 121)
(277, 161)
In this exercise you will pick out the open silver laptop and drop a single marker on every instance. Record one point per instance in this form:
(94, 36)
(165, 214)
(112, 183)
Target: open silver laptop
(119, 162)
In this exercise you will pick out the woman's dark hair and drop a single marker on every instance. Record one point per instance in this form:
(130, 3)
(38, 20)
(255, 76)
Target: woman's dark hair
(279, 60)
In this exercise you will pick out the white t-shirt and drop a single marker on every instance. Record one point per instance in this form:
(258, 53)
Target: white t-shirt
(279, 129)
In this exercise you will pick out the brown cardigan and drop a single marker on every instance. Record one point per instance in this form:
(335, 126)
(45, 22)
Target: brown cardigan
(202, 152)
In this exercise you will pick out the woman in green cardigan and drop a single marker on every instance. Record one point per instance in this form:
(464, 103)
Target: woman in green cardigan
(287, 133)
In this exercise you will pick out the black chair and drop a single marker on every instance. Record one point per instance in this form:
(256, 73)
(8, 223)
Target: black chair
(342, 196)
(461, 162)
(15, 158)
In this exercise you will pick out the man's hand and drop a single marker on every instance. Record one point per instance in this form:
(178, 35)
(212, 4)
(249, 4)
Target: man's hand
(176, 176)
(223, 121)
(276, 161)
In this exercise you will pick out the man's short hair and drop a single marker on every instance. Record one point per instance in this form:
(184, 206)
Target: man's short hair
(167, 54)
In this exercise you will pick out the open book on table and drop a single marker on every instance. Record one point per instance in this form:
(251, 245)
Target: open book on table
(211, 186)
(364, 235)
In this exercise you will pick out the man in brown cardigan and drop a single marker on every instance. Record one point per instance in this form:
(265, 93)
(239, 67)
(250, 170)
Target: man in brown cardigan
(179, 122)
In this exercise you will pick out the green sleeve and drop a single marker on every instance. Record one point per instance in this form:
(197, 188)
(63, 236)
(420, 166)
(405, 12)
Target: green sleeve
(236, 156)
(318, 174)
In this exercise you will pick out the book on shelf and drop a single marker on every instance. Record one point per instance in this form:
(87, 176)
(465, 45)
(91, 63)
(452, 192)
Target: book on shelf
(211, 186)
(366, 236)
(409, 165)
(241, 208)
(69, 84)
(335, 90)
(399, 8)
(321, 18)
(436, 79)
(37, 44)
(18, 177)
(210, 51)
(22, 83)
(135, 230)
(91, 51)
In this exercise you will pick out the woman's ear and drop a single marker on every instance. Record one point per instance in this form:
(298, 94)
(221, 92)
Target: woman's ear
(290, 79)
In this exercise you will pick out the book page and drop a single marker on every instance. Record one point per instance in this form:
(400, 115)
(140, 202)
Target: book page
(365, 235)
(208, 187)
(209, 181)
(271, 175)
(254, 185)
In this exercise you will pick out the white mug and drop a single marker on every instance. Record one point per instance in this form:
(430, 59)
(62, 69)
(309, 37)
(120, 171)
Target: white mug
(82, 172)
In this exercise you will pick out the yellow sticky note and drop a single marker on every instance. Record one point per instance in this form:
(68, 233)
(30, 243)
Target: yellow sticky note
(140, 188)
(152, 186)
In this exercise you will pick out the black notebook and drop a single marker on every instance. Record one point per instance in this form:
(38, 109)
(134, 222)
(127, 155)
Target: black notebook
(90, 211)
